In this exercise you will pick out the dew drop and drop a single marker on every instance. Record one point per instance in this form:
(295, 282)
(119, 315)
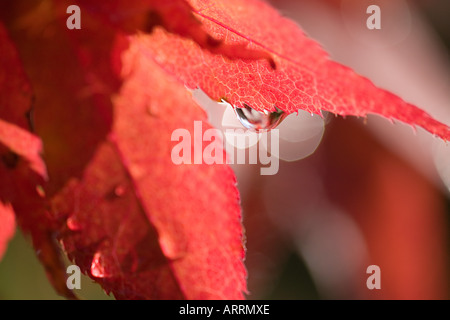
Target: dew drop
(40, 191)
(119, 191)
(256, 121)
(172, 248)
(97, 268)
(73, 224)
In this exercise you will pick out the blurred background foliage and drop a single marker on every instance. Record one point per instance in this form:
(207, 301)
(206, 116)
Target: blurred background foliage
(23, 277)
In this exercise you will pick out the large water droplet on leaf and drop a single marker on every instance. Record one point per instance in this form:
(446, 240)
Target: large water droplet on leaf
(298, 136)
(255, 120)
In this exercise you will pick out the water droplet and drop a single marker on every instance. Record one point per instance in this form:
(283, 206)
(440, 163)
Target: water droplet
(255, 120)
(97, 266)
(172, 248)
(40, 190)
(73, 224)
(119, 191)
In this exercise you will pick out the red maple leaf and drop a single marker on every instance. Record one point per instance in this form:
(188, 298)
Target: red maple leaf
(108, 97)
(146, 249)
(19, 149)
(298, 76)
(108, 226)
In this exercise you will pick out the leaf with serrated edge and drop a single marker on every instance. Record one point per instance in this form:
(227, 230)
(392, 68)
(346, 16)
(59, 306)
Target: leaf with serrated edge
(303, 77)
(142, 226)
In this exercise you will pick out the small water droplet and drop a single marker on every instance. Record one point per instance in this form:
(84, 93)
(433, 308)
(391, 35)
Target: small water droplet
(171, 248)
(119, 191)
(40, 190)
(153, 109)
(97, 266)
(73, 224)
(255, 120)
